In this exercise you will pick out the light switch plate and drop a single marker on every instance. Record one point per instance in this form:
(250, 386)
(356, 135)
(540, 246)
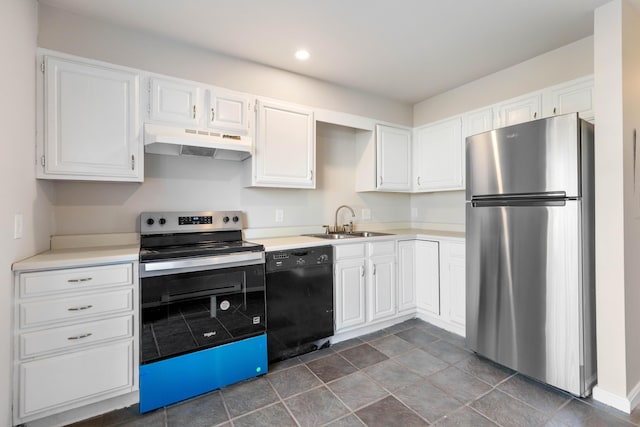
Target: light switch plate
(279, 215)
(18, 223)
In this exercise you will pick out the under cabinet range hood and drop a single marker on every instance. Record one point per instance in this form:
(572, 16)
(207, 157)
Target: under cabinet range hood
(176, 141)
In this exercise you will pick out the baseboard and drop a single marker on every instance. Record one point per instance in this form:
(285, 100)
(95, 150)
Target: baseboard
(620, 403)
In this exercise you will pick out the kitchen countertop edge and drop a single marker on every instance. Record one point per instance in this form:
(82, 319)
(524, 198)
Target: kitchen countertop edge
(78, 257)
(294, 242)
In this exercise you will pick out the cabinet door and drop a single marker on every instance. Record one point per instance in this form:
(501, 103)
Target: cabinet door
(519, 110)
(427, 276)
(477, 121)
(382, 287)
(70, 379)
(453, 277)
(229, 111)
(284, 147)
(572, 97)
(393, 148)
(175, 101)
(439, 156)
(350, 297)
(91, 127)
(406, 276)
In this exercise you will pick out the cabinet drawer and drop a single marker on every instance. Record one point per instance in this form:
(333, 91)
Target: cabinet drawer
(55, 381)
(73, 279)
(382, 248)
(349, 251)
(68, 309)
(35, 343)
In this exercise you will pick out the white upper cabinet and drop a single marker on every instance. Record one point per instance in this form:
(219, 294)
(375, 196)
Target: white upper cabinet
(229, 111)
(284, 146)
(519, 110)
(477, 121)
(174, 101)
(88, 121)
(570, 97)
(196, 105)
(393, 148)
(438, 157)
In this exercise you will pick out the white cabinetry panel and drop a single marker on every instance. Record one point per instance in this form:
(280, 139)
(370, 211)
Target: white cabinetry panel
(393, 147)
(89, 116)
(427, 276)
(382, 287)
(519, 110)
(46, 383)
(439, 156)
(229, 111)
(350, 293)
(284, 147)
(175, 101)
(570, 97)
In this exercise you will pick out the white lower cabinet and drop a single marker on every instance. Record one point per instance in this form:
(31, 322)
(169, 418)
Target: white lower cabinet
(365, 283)
(453, 279)
(75, 341)
(434, 270)
(350, 289)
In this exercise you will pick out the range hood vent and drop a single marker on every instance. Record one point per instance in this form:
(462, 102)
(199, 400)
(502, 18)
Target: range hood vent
(173, 141)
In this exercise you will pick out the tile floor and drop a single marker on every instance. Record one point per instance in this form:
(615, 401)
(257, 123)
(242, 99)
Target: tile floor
(411, 374)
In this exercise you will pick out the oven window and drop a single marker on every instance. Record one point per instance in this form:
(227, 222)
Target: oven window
(186, 312)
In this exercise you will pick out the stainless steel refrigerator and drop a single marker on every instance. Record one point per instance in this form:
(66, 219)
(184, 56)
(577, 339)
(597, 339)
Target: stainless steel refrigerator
(530, 300)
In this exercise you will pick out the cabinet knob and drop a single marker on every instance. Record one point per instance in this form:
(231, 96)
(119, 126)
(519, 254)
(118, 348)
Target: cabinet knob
(554, 110)
(79, 337)
(418, 181)
(213, 114)
(194, 111)
(83, 307)
(535, 115)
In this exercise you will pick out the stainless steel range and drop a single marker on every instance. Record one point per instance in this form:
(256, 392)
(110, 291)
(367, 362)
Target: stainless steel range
(202, 305)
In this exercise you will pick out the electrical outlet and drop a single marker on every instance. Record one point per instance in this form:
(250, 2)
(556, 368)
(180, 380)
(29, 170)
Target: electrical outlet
(279, 215)
(18, 223)
(366, 213)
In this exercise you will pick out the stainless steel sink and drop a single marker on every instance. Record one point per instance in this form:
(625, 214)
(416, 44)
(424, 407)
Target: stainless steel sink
(368, 234)
(333, 236)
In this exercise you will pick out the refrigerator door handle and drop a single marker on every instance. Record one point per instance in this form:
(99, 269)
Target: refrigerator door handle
(522, 196)
(518, 202)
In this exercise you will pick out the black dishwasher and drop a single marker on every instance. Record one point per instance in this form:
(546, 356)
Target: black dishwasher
(299, 288)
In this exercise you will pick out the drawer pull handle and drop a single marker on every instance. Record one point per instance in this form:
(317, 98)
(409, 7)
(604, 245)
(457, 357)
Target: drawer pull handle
(83, 307)
(79, 337)
(83, 279)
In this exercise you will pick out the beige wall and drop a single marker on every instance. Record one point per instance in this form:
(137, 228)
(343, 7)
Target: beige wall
(560, 65)
(631, 118)
(95, 39)
(609, 200)
(617, 76)
(201, 183)
(19, 191)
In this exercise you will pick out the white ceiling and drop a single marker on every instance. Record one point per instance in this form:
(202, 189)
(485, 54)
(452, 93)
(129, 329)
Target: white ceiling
(407, 50)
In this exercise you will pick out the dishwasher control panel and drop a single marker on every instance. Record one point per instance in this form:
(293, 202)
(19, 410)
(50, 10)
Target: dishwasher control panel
(299, 258)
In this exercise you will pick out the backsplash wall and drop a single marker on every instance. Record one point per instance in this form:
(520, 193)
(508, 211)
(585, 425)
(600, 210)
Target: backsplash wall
(196, 183)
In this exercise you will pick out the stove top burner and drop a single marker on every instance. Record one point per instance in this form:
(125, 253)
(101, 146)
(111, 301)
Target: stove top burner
(170, 235)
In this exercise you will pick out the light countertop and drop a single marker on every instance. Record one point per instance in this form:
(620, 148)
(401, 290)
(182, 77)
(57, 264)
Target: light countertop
(78, 257)
(292, 242)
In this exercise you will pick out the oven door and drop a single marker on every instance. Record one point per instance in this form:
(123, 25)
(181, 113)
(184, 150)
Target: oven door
(186, 312)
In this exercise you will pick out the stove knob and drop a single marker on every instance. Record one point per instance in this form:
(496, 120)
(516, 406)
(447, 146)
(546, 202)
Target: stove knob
(225, 219)
(162, 221)
(150, 221)
(236, 219)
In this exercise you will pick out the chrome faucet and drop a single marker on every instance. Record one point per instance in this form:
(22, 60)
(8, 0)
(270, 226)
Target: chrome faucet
(335, 224)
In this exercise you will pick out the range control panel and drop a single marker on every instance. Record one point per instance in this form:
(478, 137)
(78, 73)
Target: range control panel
(189, 222)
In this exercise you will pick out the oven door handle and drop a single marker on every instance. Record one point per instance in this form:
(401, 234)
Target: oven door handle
(218, 261)
(208, 293)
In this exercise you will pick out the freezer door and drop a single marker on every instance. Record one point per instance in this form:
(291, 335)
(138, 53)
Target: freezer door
(524, 285)
(541, 156)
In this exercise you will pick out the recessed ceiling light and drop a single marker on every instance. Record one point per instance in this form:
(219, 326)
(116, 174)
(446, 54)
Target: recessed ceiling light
(302, 55)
